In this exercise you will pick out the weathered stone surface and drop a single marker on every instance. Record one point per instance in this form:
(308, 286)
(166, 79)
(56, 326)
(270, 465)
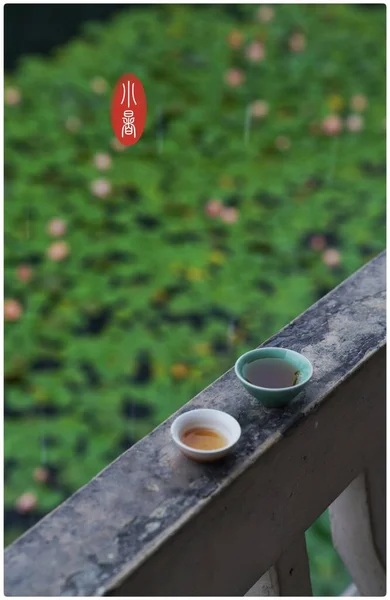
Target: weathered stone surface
(133, 506)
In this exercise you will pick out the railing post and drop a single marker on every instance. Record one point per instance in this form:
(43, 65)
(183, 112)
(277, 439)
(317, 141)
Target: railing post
(358, 522)
(290, 576)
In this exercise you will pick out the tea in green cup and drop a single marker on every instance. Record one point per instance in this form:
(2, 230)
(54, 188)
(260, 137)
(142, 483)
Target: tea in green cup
(274, 376)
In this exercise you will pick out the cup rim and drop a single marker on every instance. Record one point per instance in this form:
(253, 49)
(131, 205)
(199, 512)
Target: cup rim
(232, 442)
(241, 361)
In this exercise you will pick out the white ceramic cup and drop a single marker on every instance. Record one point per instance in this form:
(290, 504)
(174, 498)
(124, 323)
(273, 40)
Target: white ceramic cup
(217, 420)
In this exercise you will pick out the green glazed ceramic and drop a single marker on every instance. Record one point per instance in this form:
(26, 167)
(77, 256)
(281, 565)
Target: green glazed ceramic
(275, 397)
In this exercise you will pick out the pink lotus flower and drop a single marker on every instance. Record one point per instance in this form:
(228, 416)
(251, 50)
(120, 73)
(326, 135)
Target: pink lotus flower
(234, 77)
(317, 242)
(12, 96)
(265, 14)
(354, 123)
(73, 124)
(24, 273)
(41, 474)
(213, 208)
(58, 251)
(259, 109)
(102, 161)
(297, 42)
(26, 502)
(229, 214)
(331, 257)
(116, 145)
(359, 103)
(99, 85)
(282, 143)
(234, 39)
(56, 227)
(332, 125)
(13, 310)
(255, 52)
(101, 188)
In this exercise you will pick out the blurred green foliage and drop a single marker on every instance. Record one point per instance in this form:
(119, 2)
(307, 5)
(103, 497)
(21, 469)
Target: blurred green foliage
(148, 298)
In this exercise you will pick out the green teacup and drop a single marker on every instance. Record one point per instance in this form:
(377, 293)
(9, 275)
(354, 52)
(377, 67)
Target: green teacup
(278, 396)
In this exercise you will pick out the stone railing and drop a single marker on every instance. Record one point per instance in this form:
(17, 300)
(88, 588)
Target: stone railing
(155, 524)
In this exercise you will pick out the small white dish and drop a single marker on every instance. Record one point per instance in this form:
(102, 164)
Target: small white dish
(219, 421)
